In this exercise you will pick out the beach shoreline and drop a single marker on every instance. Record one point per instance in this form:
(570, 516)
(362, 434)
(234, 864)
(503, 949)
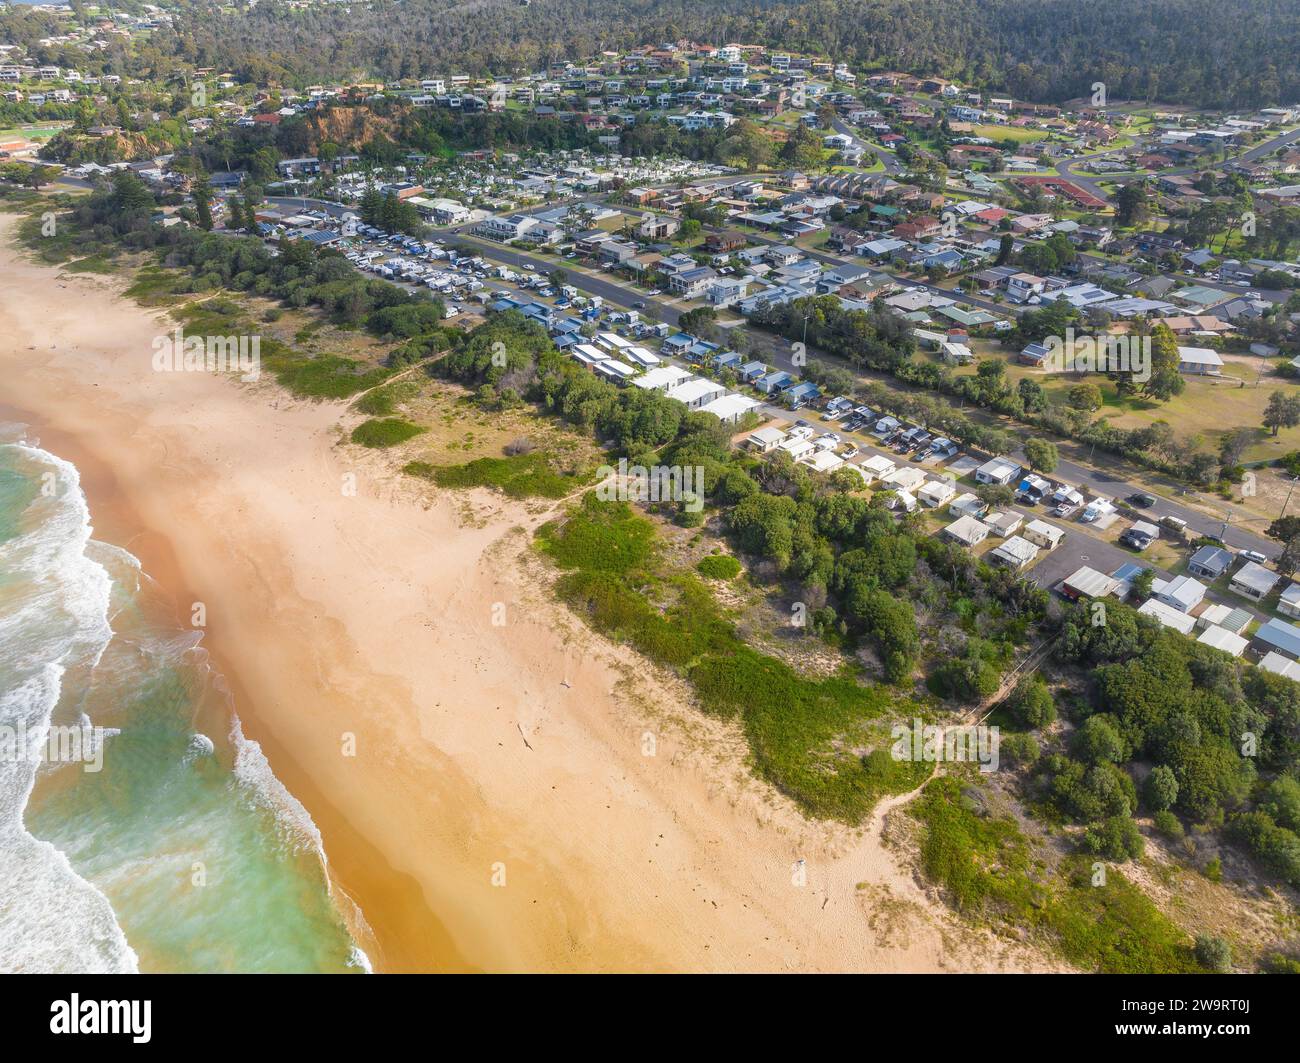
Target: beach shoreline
(482, 790)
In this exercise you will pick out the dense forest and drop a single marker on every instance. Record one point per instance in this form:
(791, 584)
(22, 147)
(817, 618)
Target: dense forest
(1229, 53)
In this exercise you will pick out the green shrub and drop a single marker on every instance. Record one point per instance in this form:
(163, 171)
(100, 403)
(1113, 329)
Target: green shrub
(518, 475)
(1213, 953)
(379, 434)
(1115, 838)
(719, 566)
(1168, 824)
(1020, 749)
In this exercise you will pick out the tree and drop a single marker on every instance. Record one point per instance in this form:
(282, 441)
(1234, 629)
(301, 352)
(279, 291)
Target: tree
(1031, 704)
(1031, 394)
(1142, 584)
(747, 145)
(202, 193)
(1084, 396)
(1042, 454)
(39, 176)
(1099, 739)
(1284, 529)
(1160, 790)
(1233, 445)
(1282, 411)
(1165, 380)
(1289, 560)
(1132, 206)
(803, 149)
(1115, 838)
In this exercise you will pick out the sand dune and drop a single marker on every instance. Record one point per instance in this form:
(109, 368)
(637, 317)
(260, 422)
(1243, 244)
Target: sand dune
(500, 812)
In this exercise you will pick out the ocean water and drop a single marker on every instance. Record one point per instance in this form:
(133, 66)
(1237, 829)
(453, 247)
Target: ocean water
(139, 829)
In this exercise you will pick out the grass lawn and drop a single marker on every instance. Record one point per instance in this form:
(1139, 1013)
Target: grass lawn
(1206, 408)
(1019, 134)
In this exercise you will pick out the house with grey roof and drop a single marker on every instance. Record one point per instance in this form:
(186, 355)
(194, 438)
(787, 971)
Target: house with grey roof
(1289, 602)
(1254, 581)
(1209, 562)
(1279, 636)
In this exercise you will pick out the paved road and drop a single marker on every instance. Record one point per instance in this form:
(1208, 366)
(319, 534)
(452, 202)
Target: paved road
(891, 161)
(779, 356)
(1114, 485)
(1063, 168)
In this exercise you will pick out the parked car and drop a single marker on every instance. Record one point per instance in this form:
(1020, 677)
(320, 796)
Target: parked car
(1065, 509)
(1136, 540)
(1254, 555)
(1142, 500)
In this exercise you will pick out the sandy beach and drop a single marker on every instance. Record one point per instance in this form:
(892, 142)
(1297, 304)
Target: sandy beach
(483, 790)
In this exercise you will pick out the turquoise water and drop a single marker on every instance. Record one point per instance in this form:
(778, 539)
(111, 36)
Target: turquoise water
(148, 834)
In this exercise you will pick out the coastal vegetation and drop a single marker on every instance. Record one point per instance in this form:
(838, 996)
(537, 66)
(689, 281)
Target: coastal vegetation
(823, 742)
(1134, 737)
(1135, 724)
(989, 868)
(382, 433)
(517, 475)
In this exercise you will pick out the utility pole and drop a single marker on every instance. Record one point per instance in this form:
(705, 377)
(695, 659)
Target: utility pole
(1287, 501)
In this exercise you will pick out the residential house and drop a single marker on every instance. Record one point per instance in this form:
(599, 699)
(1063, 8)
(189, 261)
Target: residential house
(655, 228)
(997, 471)
(967, 531)
(1015, 553)
(1182, 592)
(1004, 524)
(1199, 360)
(1279, 636)
(797, 448)
(1087, 582)
(1277, 664)
(1289, 602)
(764, 439)
(1167, 616)
(729, 409)
(692, 283)
(696, 392)
(1042, 534)
(1220, 639)
(774, 382)
(906, 478)
(509, 228)
(875, 467)
(967, 504)
(935, 493)
(1254, 581)
(1210, 562)
(1023, 286)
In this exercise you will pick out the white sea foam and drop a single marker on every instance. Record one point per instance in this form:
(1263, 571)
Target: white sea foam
(54, 919)
(358, 958)
(200, 746)
(61, 594)
(297, 829)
